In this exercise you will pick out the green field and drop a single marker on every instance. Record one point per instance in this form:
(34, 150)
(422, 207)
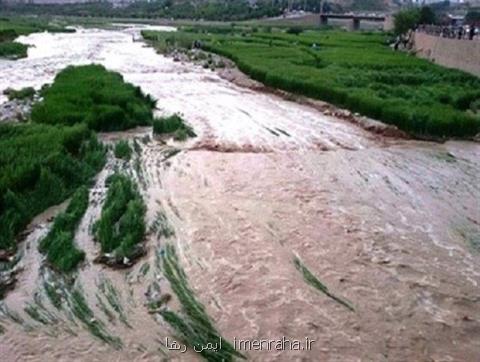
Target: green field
(357, 71)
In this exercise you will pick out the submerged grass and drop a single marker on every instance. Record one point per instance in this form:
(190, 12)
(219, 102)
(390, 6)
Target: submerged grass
(113, 298)
(317, 284)
(161, 227)
(59, 244)
(82, 311)
(194, 326)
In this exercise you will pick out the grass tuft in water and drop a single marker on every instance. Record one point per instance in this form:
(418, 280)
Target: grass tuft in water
(121, 227)
(194, 326)
(317, 284)
(174, 125)
(59, 244)
(122, 150)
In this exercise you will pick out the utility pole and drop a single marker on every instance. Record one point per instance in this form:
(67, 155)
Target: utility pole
(320, 14)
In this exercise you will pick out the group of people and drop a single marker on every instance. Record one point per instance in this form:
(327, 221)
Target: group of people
(468, 32)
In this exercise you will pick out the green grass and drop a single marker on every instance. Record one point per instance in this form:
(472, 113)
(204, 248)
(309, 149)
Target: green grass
(59, 244)
(194, 326)
(24, 93)
(121, 227)
(41, 166)
(13, 50)
(357, 71)
(114, 300)
(11, 28)
(174, 125)
(317, 284)
(92, 95)
(122, 150)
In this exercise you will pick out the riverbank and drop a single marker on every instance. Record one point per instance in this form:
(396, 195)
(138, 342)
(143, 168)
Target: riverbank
(357, 71)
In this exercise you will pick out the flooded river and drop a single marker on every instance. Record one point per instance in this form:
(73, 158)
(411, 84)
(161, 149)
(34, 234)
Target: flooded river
(391, 225)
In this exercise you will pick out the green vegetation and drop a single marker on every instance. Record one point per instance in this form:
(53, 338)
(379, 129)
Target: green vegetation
(14, 50)
(209, 10)
(90, 94)
(408, 19)
(473, 16)
(113, 298)
(173, 125)
(122, 150)
(161, 227)
(121, 227)
(24, 93)
(14, 27)
(317, 284)
(357, 71)
(40, 166)
(59, 244)
(80, 308)
(194, 327)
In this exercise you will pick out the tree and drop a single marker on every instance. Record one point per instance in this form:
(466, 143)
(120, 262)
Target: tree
(427, 15)
(405, 20)
(473, 16)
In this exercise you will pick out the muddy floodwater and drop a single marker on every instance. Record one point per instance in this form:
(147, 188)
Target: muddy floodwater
(390, 225)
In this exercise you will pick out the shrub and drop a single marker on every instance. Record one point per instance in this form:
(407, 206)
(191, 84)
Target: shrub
(296, 30)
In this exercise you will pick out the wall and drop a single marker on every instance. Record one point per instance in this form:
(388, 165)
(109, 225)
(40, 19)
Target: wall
(453, 53)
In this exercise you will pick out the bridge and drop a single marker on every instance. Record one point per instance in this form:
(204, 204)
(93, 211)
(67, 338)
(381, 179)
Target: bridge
(354, 17)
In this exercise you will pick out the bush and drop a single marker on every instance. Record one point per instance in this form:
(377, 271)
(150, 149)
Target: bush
(92, 95)
(59, 244)
(122, 150)
(296, 30)
(121, 226)
(173, 124)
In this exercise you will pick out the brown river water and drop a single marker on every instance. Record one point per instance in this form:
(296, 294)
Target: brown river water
(391, 225)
